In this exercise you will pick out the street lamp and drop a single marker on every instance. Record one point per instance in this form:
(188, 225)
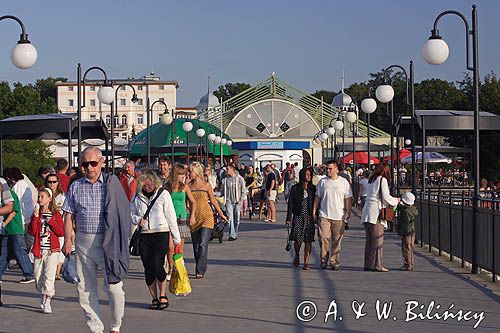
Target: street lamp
(368, 106)
(210, 138)
(104, 95)
(385, 94)
(167, 119)
(187, 127)
(200, 133)
(408, 142)
(23, 54)
(435, 52)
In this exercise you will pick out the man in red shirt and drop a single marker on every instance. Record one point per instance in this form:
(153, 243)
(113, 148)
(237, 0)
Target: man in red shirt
(128, 179)
(62, 170)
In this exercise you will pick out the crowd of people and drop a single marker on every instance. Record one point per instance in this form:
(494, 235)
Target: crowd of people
(92, 214)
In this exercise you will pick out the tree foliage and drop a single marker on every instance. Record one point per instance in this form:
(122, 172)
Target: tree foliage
(225, 92)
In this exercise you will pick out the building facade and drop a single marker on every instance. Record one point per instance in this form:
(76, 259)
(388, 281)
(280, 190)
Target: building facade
(131, 117)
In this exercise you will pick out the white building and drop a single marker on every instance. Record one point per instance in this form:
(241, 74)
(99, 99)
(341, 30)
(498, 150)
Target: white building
(131, 116)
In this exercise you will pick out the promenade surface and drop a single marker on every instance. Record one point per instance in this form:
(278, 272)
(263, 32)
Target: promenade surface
(251, 286)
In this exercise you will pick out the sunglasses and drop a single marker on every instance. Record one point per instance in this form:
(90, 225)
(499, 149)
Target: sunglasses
(92, 163)
(52, 181)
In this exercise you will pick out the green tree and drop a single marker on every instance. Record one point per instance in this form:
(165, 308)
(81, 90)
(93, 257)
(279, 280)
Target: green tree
(27, 155)
(47, 87)
(326, 94)
(225, 92)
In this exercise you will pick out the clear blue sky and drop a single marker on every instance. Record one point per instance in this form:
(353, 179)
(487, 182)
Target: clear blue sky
(307, 43)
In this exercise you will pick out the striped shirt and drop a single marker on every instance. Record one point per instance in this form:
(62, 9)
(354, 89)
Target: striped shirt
(87, 202)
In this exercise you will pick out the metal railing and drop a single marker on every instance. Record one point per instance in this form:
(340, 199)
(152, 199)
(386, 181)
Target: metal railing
(445, 223)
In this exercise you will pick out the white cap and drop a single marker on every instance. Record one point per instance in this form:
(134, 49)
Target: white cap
(408, 198)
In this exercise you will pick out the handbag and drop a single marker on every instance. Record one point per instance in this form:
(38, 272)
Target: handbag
(133, 246)
(386, 214)
(68, 271)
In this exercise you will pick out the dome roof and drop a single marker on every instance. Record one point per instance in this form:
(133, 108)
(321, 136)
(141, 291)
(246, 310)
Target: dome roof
(341, 100)
(208, 101)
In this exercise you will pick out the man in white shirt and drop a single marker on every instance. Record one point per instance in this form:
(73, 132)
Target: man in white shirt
(334, 200)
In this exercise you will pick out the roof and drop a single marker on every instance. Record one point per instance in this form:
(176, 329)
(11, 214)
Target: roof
(208, 101)
(49, 126)
(120, 81)
(341, 100)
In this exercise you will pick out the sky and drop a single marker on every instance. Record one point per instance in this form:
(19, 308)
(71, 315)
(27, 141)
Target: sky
(306, 43)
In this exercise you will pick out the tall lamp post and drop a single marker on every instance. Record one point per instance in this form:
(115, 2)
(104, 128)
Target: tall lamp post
(210, 138)
(23, 56)
(368, 106)
(385, 94)
(105, 95)
(187, 127)
(134, 100)
(435, 52)
(167, 119)
(200, 133)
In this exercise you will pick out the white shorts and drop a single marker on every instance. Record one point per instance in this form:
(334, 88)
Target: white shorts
(272, 195)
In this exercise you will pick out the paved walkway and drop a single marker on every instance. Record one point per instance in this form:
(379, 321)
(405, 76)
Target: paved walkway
(251, 286)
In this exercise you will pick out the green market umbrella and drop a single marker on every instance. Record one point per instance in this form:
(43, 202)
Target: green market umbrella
(161, 139)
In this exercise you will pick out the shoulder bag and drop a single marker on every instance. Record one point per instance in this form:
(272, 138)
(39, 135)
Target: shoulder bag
(134, 240)
(386, 214)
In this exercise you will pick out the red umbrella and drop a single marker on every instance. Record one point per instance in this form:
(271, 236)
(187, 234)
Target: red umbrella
(361, 158)
(402, 154)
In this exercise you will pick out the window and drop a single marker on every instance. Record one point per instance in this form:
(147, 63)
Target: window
(92, 88)
(161, 87)
(71, 102)
(124, 136)
(92, 117)
(117, 135)
(92, 102)
(161, 99)
(140, 101)
(124, 120)
(139, 87)
(123, 101)
(140, 119)
(108, 120)
(116, 121)
(123, 88)
(70, 88)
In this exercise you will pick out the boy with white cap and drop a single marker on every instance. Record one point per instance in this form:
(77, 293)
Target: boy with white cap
(407, 214)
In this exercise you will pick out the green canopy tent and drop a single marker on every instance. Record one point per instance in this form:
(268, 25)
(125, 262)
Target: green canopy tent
(161, 141)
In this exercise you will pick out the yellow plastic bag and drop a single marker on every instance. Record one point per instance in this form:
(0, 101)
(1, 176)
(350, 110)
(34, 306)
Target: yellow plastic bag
(179, 282)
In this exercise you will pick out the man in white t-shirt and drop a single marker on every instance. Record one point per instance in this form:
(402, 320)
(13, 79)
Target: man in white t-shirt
(334, 200)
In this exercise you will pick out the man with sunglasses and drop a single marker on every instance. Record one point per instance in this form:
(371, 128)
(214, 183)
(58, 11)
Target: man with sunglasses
(85, 203)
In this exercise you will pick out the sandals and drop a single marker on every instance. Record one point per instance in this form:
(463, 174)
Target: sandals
(306, 267)
(296, 262)
(155, 304)
(199, 276)
(163, 305)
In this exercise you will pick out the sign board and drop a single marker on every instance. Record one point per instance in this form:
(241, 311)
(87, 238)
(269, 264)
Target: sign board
(270, 145)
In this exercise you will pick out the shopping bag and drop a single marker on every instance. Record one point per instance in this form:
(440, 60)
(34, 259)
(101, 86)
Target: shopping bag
(68, 271)
(179, 282)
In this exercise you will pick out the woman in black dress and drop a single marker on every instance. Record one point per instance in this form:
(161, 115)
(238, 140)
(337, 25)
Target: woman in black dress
(300, 214)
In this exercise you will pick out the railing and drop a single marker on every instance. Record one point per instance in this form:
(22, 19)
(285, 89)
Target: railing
(445, 223)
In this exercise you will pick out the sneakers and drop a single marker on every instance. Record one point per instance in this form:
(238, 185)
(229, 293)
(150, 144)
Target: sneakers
(42, 301)
(27, 279)
(47, 308)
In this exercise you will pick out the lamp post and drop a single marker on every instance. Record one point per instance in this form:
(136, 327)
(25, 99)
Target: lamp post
(167, 119)
(134, 100)
(200, 133)
(435, 52)
(350, 117)
(105, 95)
(368, 106)
(23, 54)
(385, 94)
(187, 127)
(211, 138)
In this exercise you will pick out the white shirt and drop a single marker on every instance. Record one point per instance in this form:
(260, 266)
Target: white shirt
(363, 185)
(59, 201)
(378, 197)
(24, 192)
(332, 195)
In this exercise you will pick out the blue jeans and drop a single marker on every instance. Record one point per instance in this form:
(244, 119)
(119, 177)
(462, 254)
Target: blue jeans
(18, 245)
(233, 214)
(288, 187)
(200, 239)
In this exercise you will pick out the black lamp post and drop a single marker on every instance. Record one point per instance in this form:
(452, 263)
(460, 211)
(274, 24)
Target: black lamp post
(385, 94)
(435, 52)
(134, 100)
(368, 106)
(105, 96)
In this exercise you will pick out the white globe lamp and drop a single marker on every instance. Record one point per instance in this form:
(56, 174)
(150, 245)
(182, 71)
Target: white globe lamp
(187, 126)
(435, 51)
(407, 142)
(330, 131)
(218, 140)
(223, 141)
(229, 143)
(350, 117)
(384, 93)
(200, 132)
(368, 105)
(323, 136)
(166, 118)
(106, 94)
(338, 125)
(23, 55)
(211, 137)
